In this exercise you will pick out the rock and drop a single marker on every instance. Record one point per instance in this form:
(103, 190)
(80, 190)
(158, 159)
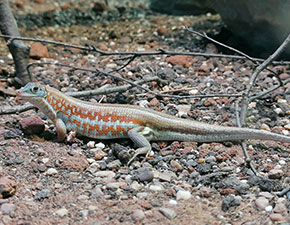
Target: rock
(245, 17)
(183, 195)
(168, 213)
(275, 174)
(8, 208)
(178, 60)
(280, 208)
(51, 171)
(181, 7)
(114, 165)
(38, 51)
(42, 194)
(8, 186)
(230, 201)
(176, 166)
(265, 184)
(156, 187)
(166, 74)
(100, 145)
(100, 7)
(277, 217)
(135, 186)
(32, 125)
(91, 144)
(61, 212)
(77, 162)
(99, 154)
(269, 208)
(165, 176)
(96, 192)
(172, 202)
(138, 215)
(143, 174)
(262, 202)
(267, 195)
(204, 168)
(162, 31)
(106, 173)
(142, 195)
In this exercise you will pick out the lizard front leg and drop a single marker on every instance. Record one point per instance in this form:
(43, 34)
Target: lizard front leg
(60, 130)
(141, 137)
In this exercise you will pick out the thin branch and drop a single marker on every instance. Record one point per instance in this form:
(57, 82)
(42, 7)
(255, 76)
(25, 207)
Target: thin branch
(245, 100)
(97, 71)
(244, 146)
(159, 52)
(99, 91)
(254, 60)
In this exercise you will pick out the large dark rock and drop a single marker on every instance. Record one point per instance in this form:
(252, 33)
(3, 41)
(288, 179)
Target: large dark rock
(181, 7)
(262, 24)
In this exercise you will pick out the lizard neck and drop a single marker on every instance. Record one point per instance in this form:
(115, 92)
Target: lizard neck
(45, 107)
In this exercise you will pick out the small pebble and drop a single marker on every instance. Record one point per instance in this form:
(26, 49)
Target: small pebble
(84, 213)
(265, 194)
(183, 195)
(168, 213)
(172, 202)
(92, 207)
(282, 162)
(262, 202)
(156, 187)
(99, 154)
(51, 171)
(142, 195)
(269, 208)
(100, 145)
(105, 173)
(138, 215)
(61, 212)
(91, 144)
(276, 217)
(7, 208)
(275, 174)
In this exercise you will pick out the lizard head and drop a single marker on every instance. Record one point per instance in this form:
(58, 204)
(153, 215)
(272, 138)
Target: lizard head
(31, 91)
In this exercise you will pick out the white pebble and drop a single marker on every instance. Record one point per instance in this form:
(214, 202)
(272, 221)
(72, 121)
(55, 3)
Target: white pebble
(193, 92)
(91, 144)
(282, 162)
(51, 171)
(156, 187)
(278, 111)
(45, 160)
(100, 145)
(183, 195)
(62, 212)
(172, 202)
(269, 208)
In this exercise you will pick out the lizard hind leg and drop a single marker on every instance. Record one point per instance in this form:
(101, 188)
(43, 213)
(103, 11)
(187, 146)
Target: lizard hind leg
(141, 137)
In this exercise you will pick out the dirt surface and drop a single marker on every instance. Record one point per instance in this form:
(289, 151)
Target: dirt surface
(88, 181)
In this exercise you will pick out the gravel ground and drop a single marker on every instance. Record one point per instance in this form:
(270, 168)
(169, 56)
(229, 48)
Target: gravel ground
(88, 181)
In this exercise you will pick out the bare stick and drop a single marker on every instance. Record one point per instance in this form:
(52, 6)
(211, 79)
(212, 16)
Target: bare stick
(256, 62)
(159, 52)
(244, 146)
(99, 91)
(245, 100)
(97, 71)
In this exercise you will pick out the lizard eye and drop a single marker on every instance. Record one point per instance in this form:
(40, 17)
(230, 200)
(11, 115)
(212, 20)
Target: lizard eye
(34, 89)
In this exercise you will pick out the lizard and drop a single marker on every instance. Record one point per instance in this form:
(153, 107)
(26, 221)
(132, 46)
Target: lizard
(141, 125)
